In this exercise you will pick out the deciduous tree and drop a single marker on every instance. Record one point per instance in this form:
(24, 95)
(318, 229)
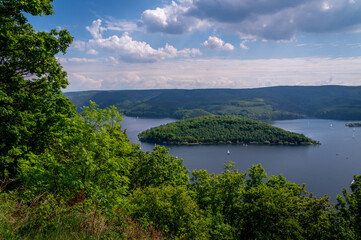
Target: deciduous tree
(32, 106)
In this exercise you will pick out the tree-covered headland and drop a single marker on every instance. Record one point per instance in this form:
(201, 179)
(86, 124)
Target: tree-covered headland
(222, 130)
(353, 124)
(66, 175)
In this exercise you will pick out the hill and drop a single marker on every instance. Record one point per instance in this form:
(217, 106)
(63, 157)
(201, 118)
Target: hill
(221, 130)
(272, 103)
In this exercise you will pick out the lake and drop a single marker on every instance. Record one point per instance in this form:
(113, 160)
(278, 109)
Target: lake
(326, 168)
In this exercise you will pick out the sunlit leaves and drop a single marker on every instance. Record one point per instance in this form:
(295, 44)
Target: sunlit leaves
(254, 206)
(158, 168)
(349, 210)
(92, 155)
(32, 107)
(171, 210)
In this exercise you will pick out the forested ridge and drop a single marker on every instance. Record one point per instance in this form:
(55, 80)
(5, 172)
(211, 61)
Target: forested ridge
(69, 175)
(221, 130)
(271, 103)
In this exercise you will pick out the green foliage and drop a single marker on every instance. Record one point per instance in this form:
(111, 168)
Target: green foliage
(65, 175)
(255, 206)
(171, 210)
(221, 130)
(276, 209)
(353, 124)
(349, 210)
(190, 113)
(158, 168)
(90, 159)
(32, 107)
(183, 104)
(272, 103)
(218, 195)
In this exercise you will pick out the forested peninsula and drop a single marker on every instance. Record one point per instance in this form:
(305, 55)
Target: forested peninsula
(222, 130)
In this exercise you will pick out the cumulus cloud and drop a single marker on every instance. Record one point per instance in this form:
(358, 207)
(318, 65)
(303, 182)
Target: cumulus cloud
(270, 20)
(92, 52)
(172, 19)
(127, 49)
(95, 29)
(217, 43)
(130, 50)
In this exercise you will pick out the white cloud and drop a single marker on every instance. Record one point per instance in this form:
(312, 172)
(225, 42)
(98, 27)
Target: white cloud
(76, 60)
(213, 73)
(217, 43)
(80, 45)
(171, 19)
(92, 52)
(271, 20)
(95, 29)
(243, 44)
(81, 82)
(326, 6)
(120, 25)
(127, 49)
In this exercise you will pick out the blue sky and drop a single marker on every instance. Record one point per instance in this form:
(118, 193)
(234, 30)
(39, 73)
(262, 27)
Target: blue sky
(150, 44)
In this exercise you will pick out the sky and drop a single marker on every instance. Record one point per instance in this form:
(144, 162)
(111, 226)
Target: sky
(192, 44)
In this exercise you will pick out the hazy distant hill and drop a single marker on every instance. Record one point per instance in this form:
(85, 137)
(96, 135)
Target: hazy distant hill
(333, 102)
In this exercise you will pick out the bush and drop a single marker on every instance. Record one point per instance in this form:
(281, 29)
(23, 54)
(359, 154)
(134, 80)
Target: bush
(170, 210)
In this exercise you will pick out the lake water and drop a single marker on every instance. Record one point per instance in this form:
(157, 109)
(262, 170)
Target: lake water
(326, 168)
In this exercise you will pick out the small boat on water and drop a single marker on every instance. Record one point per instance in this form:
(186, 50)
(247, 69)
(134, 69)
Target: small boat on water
(228, 152)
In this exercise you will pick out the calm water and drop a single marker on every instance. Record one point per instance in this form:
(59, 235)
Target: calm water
(326, 168)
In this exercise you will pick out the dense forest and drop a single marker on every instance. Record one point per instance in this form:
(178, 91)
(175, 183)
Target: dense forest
(272, 103)
(70, 175)
(221, 130)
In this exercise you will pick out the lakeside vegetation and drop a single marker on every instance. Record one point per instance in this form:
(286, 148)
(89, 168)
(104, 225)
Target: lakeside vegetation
(271, 103)
(69, 175)
(353, 124)
(222, 130)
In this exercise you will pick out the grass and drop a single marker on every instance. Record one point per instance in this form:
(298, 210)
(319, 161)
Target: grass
(29, 221)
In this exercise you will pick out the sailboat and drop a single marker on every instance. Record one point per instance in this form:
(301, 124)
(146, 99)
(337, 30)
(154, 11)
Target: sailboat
(228, 152)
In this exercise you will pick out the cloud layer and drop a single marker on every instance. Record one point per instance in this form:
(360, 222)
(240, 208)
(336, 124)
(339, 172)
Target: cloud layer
(211, 73)
(262, 19)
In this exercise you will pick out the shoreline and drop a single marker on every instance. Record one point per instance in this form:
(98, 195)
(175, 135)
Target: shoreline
(244, 144)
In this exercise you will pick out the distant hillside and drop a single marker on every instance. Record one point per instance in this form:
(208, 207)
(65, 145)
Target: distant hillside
(330, 102)
(221, 130)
